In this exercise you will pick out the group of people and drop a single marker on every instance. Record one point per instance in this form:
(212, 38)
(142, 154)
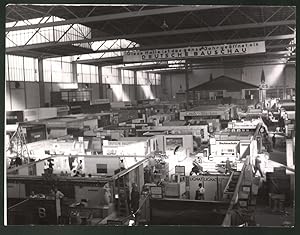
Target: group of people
(77, 169)
(75, 166)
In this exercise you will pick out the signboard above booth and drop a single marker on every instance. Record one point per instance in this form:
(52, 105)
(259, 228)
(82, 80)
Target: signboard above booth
(195, 52)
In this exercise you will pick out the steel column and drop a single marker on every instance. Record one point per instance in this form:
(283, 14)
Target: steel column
(187, 83)
(136, 96)
(41, 82)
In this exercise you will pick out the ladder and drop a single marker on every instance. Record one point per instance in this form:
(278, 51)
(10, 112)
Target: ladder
(20, 142)
(123, 190)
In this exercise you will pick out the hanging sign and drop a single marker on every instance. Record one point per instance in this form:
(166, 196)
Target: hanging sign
(195, 52)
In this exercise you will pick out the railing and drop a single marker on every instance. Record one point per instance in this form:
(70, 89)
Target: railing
(18, 204)
(124, 172)
(234, 199)
(228, 182)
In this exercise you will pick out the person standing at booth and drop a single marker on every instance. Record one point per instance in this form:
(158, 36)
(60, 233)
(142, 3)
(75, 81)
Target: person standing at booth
(135, 198)
(58, 196)
(274, 141)
(79, 168)
(200, 192)
(227, 166)
(257, 166)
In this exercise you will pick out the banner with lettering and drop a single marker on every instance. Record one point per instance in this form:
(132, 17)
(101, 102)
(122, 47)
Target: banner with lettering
(195, 52)
(210, 184)
(214, 186)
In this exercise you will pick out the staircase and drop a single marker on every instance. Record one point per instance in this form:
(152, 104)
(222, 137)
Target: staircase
(231, 185)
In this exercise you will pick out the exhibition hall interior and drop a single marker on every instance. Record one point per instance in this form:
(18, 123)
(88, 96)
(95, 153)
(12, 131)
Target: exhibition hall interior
(141, 115)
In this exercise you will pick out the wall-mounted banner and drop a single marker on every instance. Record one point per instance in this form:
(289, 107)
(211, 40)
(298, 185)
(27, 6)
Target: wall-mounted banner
(195, 52)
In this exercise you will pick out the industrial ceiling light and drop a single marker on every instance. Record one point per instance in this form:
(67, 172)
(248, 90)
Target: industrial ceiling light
(164, 25)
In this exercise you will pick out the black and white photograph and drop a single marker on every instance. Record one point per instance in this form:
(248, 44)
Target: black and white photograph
(150, 114)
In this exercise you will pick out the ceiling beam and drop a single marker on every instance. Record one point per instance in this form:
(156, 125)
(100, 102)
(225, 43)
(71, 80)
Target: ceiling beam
(155, 34)
(118, 16)
(280, 46)
(279, 37)
(218, 65)
(43, 14)
(101, 60)
(145, 67)
(119, 59)
(205, 43)
(222, 65)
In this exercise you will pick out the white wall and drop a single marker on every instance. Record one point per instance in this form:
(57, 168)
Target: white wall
(90, 164)
(32, 94)
(120, 148)
(187, 141)
(16, 99)
(274, 75)
(92, 193)
(7, 97)
(224, 145)
(290, 73)
(194, 130)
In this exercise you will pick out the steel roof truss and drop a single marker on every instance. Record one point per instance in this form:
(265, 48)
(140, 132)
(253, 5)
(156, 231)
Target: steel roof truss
(247, 16)
(273, 30)
(118, 16)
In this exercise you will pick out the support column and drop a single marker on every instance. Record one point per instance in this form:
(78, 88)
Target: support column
(155, 85)
(243, 96)
(135, 86)
(9, 82)
(24, 79)
(74, 73)
(289, 153)
(187, 82)
(171, 86)
(101, 87)
(148, 82)
(121, 83)
(284, 83)
(41, 82)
